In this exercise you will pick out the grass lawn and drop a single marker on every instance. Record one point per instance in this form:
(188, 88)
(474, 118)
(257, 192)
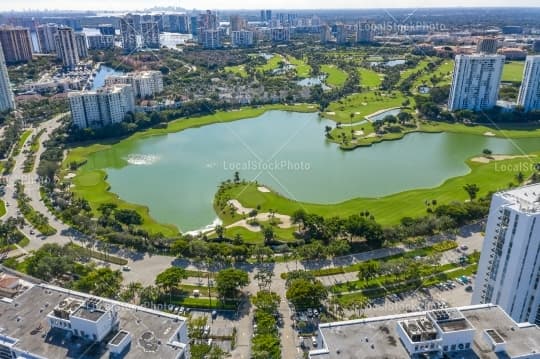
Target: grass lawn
(239, 70)
(513, 71)
(362, 105)
(92, 184)
(390, 209)
(513, 130)
(303, 70)
(271, 64)
(250, 237)
(420, 67)
(369, 78)
(336, 77)
(443, 71)
(21, 142)
(2, 208)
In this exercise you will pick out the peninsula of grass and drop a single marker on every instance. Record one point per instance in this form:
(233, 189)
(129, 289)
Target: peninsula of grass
(513, 71)
(389, 210)
(2, 208)
(92, 184)
(303, 70)
(336, 77)
(360, 105)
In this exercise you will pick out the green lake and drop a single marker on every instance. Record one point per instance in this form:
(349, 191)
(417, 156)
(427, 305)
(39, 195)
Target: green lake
(177, 175)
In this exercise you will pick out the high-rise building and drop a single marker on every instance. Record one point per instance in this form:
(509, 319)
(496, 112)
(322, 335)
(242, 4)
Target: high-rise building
(340, 32)
(326, 34)
(208, 21)
(179, 23)
(210, 39)
(66, 47)
(237, 23)
(475, 82)
(144, 84)
(7, 101)
(536, 45)
(106, 29)
(194, 25)
(487, 45)
(46, 34)
(509, 268)
(280, 34)
(364, 33)
(105, 106)
(82, 45)
(150, 34)
(16, 44)
(242, 38)
(96, 42)
(268, 15)
(529, 92)
(128, 29)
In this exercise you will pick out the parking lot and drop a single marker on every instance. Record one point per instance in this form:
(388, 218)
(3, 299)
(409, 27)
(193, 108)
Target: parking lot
(451, 294)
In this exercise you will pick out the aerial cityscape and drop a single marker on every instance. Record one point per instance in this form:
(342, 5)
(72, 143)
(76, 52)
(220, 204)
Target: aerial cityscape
(266, 181)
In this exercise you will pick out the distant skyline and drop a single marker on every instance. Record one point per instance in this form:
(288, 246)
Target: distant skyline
(251, 5)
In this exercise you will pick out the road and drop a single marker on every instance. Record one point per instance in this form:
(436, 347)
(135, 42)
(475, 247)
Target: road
(145, 267)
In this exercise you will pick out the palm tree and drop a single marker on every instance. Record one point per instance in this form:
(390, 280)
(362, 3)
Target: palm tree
(472, 190)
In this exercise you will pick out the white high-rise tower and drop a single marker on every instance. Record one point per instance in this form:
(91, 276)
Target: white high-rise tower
(529, 92)
(475, 83)
(509, 268)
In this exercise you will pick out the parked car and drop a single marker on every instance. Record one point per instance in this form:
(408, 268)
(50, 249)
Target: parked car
(314, 341)
(126, 268)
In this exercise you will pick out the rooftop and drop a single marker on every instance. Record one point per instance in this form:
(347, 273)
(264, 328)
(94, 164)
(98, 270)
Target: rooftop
(527, 197)
(25, 320)
(378, 337)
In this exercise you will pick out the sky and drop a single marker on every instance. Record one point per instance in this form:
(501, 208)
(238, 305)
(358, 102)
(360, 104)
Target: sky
(250, 4)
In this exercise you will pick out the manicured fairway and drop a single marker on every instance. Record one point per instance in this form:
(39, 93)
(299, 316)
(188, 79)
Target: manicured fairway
(336, 77)
(369, 78)
(303, 70)
(513, 71)
(390, 209)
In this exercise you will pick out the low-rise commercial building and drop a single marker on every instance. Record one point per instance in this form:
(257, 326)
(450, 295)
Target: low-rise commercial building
(50, 322)
(481, 331)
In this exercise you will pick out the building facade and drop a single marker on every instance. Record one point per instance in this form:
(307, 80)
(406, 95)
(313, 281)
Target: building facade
(7, 101)
(66, 47)
(280, 34)
(150, 34)
(46, 38)
(96, 42)
(487, 45)
(16, 44)
(144, 84)
(509, 267)
(210, 39)
(529, 92)
(364, 33)
(243, 38)
(105, 106)
(129, 31)
(82, 45)
(475, 82)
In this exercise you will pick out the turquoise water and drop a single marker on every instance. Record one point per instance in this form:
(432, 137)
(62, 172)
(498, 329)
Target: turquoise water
(177, 175)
